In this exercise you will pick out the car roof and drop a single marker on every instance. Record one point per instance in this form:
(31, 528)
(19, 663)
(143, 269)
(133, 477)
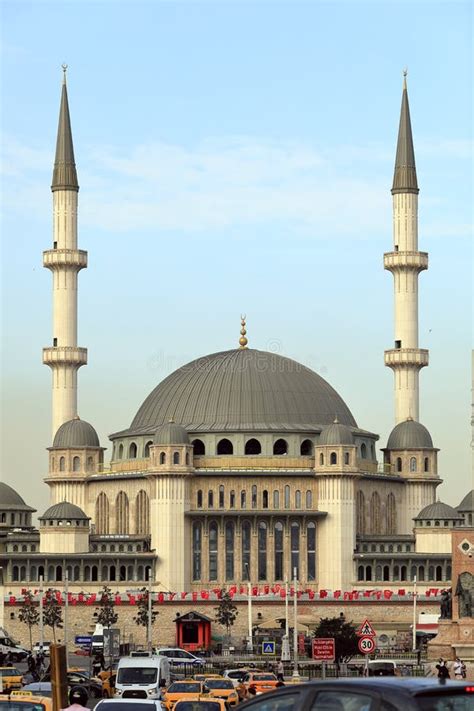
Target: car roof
(410, 684)
(149, 702)
(153, 661)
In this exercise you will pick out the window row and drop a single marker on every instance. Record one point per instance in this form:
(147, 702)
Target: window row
(15, 519)
(333, 458)
(119, 548)
(122, 514)
(395, 573)
(23, 548)
(255, 500)
(414, 464)
(444, 523)
(77, 464)
(90, 573)
(280, 570)
(384, 548)
(376, 517)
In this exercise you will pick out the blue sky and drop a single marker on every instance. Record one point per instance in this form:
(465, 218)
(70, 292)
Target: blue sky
(235, 157)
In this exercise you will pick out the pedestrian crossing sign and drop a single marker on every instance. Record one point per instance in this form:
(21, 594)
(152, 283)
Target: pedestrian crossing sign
(366, 630)
(268, 647)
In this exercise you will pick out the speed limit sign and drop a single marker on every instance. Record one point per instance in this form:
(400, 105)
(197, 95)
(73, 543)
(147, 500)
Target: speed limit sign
(366, 645)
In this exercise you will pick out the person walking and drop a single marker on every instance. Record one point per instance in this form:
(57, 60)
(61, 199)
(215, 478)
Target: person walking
(280, 671)
(443, 671)
(458, 668)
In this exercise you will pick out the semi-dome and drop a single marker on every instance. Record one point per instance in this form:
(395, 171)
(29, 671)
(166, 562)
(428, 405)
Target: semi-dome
(409, 435)
(64, 510)
(467, 504)
(336, 434)
(171, 433)
(11, 499)
(76, 433)
(438, 510)
(238, 390)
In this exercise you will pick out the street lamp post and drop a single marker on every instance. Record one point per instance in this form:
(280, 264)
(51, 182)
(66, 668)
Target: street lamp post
(249, 589)
(295, 622)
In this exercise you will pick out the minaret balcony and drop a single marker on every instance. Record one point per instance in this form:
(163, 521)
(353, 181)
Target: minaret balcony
(402, 357)
(56, 258)
(65, 355)
(400, 260)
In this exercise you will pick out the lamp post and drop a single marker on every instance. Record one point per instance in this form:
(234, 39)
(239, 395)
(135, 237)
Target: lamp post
(66, 613)
(149, 620)
(295, 622)
(414, 613)
(41, 623)
(249, 589)
(285, 647)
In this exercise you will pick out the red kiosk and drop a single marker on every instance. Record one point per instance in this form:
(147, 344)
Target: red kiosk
(193, 631)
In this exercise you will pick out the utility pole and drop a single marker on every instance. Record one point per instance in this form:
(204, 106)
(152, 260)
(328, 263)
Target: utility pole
(295, 622)
(285, 647)
(249, 589)
(414, 613)
(66, 610)
(149, 620)
(41, 623)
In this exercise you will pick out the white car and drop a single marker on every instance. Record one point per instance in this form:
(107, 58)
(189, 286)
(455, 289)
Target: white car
(130, 705)
(46, 646)
(235, 675)
(178, 656)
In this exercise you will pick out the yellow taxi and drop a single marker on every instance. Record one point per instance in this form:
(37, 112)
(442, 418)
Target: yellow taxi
(259, 682)
(10, 678)
(186, 690)
(202, 704)
(222, 689)
(203, 677)
(24, 701)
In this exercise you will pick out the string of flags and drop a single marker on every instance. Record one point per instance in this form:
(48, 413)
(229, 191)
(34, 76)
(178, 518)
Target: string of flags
(264, 592)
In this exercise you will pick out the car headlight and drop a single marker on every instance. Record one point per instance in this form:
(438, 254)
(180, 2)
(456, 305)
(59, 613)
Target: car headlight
(153, 691)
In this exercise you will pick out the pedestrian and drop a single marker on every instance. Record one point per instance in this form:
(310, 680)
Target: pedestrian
(457, 668)
(280, 671)
(77, 699)
(443, 671)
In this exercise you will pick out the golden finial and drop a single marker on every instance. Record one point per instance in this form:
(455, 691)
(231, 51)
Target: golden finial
(64, 68)
(243, 340)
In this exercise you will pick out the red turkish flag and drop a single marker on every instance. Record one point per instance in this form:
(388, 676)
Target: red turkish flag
(311, 594)
(183, 595)
(323, 594)
(195, 596)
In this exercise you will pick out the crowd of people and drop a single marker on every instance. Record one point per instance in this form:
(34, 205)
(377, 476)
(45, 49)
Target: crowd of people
(458, 669)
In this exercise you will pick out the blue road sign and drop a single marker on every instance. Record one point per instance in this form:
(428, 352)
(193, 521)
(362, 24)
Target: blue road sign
(83, 640)
(268, 647)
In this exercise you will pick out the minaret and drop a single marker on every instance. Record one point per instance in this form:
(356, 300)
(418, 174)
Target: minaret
(65, 261)
(406, 262)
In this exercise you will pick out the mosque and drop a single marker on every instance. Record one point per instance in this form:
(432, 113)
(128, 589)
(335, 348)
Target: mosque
(240, 467)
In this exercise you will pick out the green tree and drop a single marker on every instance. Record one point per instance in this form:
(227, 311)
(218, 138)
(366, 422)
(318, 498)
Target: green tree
(226, 611)
(52, 611)
(106, 614)
(141, 618)
(29, 613)
(343, 633)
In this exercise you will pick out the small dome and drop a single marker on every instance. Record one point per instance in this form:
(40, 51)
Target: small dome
(409, 435)
(11, 499)
(64, 510)
(171, 433)
(76, 433)
(335, 434)
(437, 510)
(467, 504)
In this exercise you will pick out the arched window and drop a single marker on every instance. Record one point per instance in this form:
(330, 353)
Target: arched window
(360, 513)
(175, 457)
(186, 459)
(403, 572)
(372, 451)
(132, 451)
(391, 515)
(254, 496)
(399, 464)
(40, 571)
(396, 572)
(142, 513)
(363, 450)
(246, 539)
(243, 499)
(52, 463)
(439, 573)
(232, 499)
(278, 543)
(59, 573)
(140, 572)
(95, 574)
(229, 551)
(321, 459)
(311, 550)
(276, 499)
(225, 446)
(309, 499)
(62, 464)
(33, 573)
(120, 451)
(199, 447)
(427, 464)
(265, 499)
(280, 447)
(287, 497)
(253, 446)
(262, 550)
(295, 547)
(146, 451)
(102, 514)
(197, 550)
(210, 499)
(413, 464)
(378, 572)
(375, 513)
(306, 448)
(333, 458)
(90, 464)
(360, 573)
(297, 499)
(386, 573)
(421, 573)
(121, 513)
(221, 496)
(76, 464)
(346, 458)
(16, 574)
(199, 499)
(87, 573)
(123, 572)
(162, 458)
(213, 550)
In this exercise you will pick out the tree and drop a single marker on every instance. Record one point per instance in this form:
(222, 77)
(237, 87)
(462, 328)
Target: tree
(343, 633)
(29, 613)
(106, 614)
(141, 618)
(52, 612)
(226, 612)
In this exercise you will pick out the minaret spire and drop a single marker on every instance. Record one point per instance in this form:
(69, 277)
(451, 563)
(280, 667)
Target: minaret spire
(65, 261)
(406, 359)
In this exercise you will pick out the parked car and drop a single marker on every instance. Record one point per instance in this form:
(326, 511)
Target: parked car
(223, 689)
(130, 705)
(201, 705)
(188, 690)
(382, 667)
(368, 694)
(15, 651)
(10, 678)
(235, 675)
(259, 682)
(180, 656)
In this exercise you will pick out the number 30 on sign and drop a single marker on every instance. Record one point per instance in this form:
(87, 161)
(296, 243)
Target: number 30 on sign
(366, 645)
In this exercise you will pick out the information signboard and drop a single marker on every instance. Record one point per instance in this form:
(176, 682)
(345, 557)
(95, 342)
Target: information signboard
(324, 649)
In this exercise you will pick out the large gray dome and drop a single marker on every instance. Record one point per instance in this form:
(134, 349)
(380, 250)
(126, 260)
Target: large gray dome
(11, 499)
(242, 389)
(63, 510)
(409, 435)
(438, 510)
(467, 504)
(76, 433)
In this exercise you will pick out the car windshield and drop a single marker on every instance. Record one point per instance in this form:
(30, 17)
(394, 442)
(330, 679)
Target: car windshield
(9, 671)
(264, 677)
(446, 701)
(184, 688)
(137, 675)
(132, 705)
(219, 684)
(17, 705)
(197, 706)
